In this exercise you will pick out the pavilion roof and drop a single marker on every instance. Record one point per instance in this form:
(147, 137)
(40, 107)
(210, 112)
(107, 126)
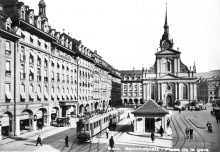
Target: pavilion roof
(150, 107)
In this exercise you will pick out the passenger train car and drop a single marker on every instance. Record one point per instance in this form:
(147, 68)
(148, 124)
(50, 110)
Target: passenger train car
(89, 127)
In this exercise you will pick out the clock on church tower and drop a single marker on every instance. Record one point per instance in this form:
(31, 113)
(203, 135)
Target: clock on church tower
(165, 45)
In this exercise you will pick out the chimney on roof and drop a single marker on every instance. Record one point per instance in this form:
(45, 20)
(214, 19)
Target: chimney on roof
(133, 68)
(63, 30)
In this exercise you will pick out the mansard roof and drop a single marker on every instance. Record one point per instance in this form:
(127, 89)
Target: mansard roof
(131, 72)
(150, 107)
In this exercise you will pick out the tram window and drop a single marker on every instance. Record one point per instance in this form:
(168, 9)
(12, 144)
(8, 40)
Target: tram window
(94, 124)
(87, 127)
(91, 126)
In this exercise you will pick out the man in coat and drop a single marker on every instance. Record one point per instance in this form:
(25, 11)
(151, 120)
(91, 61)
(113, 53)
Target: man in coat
(161, 131)
(67, 140)
(111, 142)
(38, 141)
(152, 136)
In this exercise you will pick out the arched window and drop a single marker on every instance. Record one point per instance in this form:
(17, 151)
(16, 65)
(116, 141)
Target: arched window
(185, 94)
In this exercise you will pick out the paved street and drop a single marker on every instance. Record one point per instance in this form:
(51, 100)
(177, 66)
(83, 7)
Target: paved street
(53, 137)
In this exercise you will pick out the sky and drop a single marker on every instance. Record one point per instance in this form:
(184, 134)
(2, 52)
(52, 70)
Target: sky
(126, 33)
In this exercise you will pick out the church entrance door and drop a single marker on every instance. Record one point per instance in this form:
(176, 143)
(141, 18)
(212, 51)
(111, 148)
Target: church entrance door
(169, 100)
(149, 124)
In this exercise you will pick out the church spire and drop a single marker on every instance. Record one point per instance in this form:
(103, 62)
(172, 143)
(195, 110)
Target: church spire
(166, 41)
(166, 27)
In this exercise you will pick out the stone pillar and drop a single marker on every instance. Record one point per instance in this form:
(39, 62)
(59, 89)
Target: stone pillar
(188, 92)
(135, 124)
(176, 91)
(143, 118)
(164, 122)
(191, 91)
(17, 125)
(158, 91)
(195, 91)
(144, 91)
(34, 124)
(179, 93)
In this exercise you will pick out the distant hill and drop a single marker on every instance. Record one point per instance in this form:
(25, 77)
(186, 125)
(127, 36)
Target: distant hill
(209, 74)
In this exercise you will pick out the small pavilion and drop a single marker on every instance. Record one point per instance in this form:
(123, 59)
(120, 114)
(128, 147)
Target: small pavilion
(146, 116)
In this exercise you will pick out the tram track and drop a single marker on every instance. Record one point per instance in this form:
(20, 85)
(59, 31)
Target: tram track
(203, 140)
(186, 143)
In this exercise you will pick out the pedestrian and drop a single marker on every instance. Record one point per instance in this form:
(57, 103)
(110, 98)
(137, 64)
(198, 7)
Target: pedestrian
(191, 109)
(128, 116)
(191, 132)
(38, 141)
(161, 131)
(152, 136)
(107, 131)
(67, 140)
(207, 124)
(111, 142)
(187, 132)
(168, 122)
(179, 110)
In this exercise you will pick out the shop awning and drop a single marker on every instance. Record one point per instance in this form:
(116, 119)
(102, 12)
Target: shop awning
(52, 95)
(39, 96)
(58, 96)
(31, 95)
(46, 95)
(8, 95)
(23, 96)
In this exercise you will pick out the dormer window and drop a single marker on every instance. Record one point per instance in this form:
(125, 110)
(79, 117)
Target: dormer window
(8, 26)
(31, 20)
(38, 24)
(22, 14)
(45, 28)
(67, 44)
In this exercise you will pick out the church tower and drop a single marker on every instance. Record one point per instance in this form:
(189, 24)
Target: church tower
(166, 41)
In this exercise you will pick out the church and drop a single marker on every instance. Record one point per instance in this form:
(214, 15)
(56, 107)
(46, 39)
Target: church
(169, 80)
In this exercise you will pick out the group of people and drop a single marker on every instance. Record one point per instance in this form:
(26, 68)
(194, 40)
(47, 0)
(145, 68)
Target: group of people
(189, 132)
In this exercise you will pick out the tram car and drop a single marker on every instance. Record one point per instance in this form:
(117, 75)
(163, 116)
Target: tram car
(87, 128)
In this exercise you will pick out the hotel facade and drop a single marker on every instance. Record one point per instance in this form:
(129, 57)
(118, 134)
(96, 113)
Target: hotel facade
(46, 74)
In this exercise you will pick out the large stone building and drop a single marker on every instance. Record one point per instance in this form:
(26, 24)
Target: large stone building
(167, 81)
(46, 73)
(208, 86)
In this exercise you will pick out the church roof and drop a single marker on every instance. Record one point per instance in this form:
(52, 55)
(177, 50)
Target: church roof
(150, 108)
(168, 51)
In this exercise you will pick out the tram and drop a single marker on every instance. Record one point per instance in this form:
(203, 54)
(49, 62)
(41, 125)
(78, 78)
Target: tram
(89, 127)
